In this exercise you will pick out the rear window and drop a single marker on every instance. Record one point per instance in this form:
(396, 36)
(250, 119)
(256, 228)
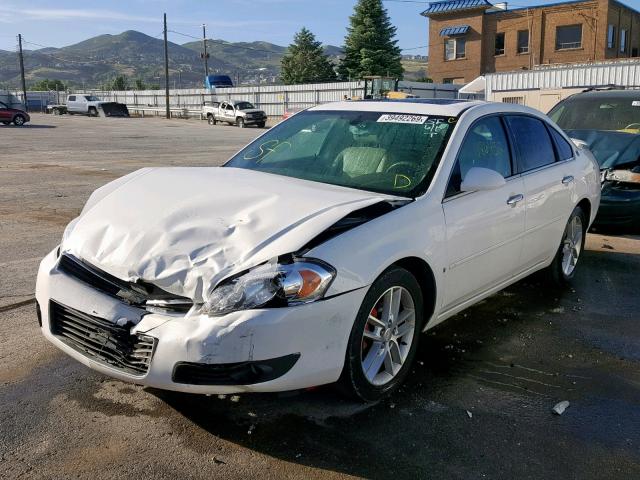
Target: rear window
(565, 152)
(532, 142)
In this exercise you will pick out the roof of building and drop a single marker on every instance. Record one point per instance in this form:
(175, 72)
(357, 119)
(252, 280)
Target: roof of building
(443, 6)
(451, 31)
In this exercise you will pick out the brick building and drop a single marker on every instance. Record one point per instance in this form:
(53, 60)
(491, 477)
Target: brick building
(468, 38)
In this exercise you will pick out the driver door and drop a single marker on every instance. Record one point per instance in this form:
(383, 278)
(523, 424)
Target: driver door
(484, 229)
(5, 114)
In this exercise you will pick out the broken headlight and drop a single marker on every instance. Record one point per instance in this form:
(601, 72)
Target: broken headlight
(272, 284)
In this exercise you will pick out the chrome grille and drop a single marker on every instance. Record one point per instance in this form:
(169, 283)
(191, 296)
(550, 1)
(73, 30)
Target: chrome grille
(101, 340)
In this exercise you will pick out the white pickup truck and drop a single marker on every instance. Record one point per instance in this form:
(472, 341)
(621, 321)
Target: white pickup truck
(91, 105)
(234, 112)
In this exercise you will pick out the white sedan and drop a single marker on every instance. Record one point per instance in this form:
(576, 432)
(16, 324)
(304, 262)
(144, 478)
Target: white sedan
(319, 252)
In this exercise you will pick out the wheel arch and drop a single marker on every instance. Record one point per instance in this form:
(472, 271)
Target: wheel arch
(423, 272)
(585, 205)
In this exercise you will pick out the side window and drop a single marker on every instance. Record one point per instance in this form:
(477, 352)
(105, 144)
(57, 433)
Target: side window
(532, 142)
(486, 146)
(565, 152)
(72, 98)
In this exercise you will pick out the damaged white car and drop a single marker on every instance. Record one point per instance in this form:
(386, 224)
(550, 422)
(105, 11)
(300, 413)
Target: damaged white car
(318, 253)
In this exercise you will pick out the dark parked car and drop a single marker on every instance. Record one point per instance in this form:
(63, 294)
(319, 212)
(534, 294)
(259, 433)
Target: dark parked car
(13, 115)
(609, 122)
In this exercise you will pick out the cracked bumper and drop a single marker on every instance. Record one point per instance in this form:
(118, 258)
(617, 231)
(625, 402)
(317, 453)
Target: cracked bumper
(318, 332)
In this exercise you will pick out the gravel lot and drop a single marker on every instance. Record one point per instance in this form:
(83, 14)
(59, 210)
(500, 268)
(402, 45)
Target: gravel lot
(477, 406)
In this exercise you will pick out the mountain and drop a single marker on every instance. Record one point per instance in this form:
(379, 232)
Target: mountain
(97, 61)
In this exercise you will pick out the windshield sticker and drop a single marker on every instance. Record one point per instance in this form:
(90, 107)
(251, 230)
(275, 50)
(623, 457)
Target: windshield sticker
(400, 118)
(635, 103)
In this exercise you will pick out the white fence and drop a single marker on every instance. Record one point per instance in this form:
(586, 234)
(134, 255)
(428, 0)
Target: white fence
(273, 99)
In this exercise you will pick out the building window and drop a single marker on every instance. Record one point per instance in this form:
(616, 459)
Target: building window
(623, 41)
(454, 81)
(454, 48)
(499, 46)
(523, 41)
(568, 36)
(611, 36)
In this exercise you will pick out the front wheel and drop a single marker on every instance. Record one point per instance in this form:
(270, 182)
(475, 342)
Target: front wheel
(261, 124)
(563, 268)
(18, 120)
(384, 337)
(93, 112)
(240, 122)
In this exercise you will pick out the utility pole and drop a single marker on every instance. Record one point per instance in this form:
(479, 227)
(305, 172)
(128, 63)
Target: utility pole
(205, 55)
(166, 68)
(24, 83)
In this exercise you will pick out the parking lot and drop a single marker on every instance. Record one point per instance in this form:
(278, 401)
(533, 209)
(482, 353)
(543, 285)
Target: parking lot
(478, 404)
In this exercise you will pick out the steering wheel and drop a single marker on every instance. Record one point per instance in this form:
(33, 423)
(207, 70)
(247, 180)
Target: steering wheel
(399, 164)
(633, 126)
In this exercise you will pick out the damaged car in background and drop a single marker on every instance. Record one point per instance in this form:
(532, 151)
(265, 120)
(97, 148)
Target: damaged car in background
(608, 121)
(321, 251)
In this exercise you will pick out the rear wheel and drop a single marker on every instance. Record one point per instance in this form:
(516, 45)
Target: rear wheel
(563, 267)
(240, 122)
(384, 337)
(19, 120)
(211, 119)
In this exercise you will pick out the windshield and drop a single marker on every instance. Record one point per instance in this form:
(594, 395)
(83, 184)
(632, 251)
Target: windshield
(389, 153)
(92, 98)
(598, 113)
(244, 106)
(609, 125)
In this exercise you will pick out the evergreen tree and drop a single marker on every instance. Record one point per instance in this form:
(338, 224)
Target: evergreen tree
(370, 45)
(305, 61)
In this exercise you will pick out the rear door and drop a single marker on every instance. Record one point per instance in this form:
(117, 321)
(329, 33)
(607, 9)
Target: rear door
(72, 103)
(484, 228)
(544, 158)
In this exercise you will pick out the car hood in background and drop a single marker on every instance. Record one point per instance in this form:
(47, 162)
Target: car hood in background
(185, 229)
(610, 147)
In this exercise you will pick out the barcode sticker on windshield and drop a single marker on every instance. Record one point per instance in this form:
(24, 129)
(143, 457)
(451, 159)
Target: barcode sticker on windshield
(400, 118)
(635, 103)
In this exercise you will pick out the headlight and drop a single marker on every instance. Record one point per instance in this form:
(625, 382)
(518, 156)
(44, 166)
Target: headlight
(277, 284)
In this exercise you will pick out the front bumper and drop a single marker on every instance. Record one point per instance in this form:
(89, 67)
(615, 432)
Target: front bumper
(619, 206)
(314, 335)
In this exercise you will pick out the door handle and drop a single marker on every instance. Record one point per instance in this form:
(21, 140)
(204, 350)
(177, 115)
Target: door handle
(567, 180)
(515, 199)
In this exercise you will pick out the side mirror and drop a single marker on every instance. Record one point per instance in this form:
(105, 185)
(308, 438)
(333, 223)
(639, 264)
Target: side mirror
(482, 179)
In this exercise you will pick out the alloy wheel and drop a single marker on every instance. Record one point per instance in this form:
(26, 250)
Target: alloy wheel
(572, 245)
(388, 335)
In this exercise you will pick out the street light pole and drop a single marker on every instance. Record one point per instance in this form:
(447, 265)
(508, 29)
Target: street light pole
(24, 83)
(166, 68)
(205, 55)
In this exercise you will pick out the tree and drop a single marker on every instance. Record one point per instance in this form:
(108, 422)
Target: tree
(139, 84)
(46, 85)
(305, 61)
(370, 45)
(119, 83)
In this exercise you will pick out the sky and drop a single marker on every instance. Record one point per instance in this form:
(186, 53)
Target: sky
(59, 23)
(64, 22)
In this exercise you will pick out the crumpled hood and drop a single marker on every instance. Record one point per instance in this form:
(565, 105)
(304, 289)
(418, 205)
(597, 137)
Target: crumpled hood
(610, 147)
(252, 111)
(185, 229)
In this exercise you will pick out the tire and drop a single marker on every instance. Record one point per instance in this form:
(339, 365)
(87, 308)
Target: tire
(564, 264)
(93, 112)
(211, 120)
(240, 122)
(56, 111)
(261, 125)
(19, 120)
(364, 352)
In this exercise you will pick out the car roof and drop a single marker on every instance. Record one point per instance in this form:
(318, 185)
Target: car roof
(422, 106)
(608, 94)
